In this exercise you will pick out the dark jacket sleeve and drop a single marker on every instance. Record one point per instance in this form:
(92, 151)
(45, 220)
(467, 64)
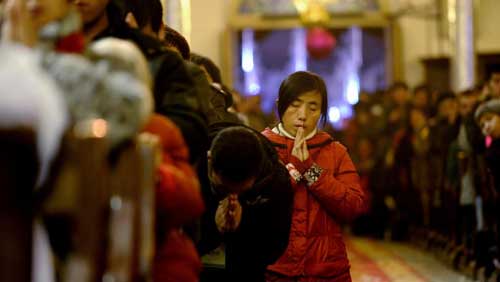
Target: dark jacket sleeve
(175, 92)
(202, 87)
(262, 236)
(176, 97)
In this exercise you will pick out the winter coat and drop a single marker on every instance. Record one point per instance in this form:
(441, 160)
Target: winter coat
(329, 193)
(178, 202)
(492, 157)
(175, 92)
(265, 224)
(262, 235)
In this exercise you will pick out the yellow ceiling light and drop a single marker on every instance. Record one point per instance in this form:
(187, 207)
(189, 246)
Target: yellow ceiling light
(312, 12)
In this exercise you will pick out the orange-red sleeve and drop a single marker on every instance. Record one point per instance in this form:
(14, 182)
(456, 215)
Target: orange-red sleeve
(178, 196)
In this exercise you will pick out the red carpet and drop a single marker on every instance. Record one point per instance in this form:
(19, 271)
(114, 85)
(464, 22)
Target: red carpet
(370, 262)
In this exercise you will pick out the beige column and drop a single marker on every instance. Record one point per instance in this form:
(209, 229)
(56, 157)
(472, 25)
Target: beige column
(461, 19)
(177, 15)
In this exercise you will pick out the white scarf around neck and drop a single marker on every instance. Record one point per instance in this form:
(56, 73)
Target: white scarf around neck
(280, 130)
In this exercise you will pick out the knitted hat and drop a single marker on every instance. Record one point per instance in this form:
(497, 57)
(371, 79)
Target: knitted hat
(491, 106)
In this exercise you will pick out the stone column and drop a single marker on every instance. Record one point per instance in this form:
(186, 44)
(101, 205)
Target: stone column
(461, 18)
(177, 15)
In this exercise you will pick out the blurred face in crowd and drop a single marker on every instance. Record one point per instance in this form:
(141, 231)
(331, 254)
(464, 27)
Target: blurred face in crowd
(365, 148)
(46, 11)
(421, 99)
(490, 125)
(304, 111)
(400, 96)
(448, 109)
(417, 119)
(466, 104)
(362, 117)
(495, 85)
(91, 10)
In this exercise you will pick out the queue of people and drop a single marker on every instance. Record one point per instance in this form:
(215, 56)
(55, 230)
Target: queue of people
(427, 161)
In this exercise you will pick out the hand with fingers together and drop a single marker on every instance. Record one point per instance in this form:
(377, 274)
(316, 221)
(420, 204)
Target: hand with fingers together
(299, 149)
(228, 214)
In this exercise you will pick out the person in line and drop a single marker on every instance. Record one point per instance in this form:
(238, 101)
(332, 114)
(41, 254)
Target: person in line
(325, 182)
(178, 202)
(488, 118)
(249, 207)
(174, 90)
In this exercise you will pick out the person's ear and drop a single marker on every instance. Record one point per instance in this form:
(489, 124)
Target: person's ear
(131, 21)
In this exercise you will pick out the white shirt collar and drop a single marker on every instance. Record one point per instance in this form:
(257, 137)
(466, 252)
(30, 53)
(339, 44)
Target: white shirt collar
(280, 130)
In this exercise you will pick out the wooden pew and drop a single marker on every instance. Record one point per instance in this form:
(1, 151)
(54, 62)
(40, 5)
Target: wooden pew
(18, 173)
(149, 150)
(83, 196)
(108, 206)
(111, 206)
(131, 226)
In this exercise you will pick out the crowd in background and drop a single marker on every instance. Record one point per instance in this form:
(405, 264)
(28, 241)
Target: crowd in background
(429, 162)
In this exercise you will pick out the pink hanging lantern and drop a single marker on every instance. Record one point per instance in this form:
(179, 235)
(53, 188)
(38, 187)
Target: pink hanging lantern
(320, 42)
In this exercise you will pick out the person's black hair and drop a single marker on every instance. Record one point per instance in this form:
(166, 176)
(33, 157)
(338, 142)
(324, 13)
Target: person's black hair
(146, 12)
(209, 65)
(467, 93)
(297, 84)
(116, 11)
(175, 39)
(236, 154)
(398, 85)
(423, 88)
(226, 92)
(492, 69)
(445, 96)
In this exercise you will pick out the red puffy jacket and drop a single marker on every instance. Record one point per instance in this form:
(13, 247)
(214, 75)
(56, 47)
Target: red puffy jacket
(178, 201)
(316, 249)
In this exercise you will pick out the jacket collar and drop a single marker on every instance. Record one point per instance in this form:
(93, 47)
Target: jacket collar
(280, 129)
(320, 139)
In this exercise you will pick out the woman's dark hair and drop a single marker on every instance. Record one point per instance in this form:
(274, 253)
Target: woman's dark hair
(237, 153)
(209, 65)
(297, 84)
(146, 12)
(175, 39)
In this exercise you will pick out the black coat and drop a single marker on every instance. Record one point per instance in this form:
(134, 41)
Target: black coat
(262, 236)
(175, 92)
(492, 157)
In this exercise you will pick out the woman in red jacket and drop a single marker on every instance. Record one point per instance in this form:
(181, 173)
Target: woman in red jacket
(326, 184)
